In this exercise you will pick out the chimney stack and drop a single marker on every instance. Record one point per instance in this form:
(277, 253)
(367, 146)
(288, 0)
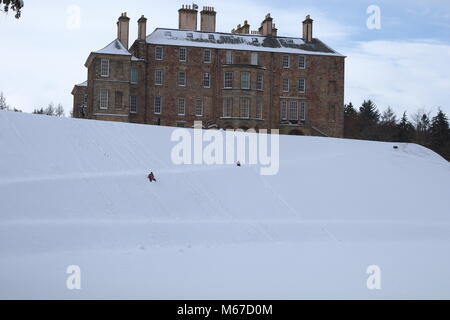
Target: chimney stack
(187, 17)
(123, 29)
(208, 19)
(267, 26)
(142, 28)
(242, 29)
(308, 29)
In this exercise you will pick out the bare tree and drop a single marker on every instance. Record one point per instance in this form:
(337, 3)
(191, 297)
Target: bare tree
(14, 5)
(59, 111)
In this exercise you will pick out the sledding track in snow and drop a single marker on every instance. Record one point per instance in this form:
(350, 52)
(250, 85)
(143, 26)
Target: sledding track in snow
(75, 192)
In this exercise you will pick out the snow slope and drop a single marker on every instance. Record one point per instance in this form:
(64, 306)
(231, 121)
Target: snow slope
(74, 192)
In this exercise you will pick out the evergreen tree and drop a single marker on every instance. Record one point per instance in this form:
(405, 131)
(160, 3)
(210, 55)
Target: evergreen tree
(351, 123)
(389, 117)
(3, 104)
(421, 120)
(440, 134)
(369, 114)
(405, 130)
(388, 125)
(369, 118)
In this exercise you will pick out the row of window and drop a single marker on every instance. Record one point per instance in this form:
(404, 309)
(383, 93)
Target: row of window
(181, 106)
(244, 107)
(104, 101)
(290, 110)
(301, 85)
(293, 110)
(229, 57)
(228, 81)
(104, 71)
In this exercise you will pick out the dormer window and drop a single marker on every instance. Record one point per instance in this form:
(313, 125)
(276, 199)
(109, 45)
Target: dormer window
(190, 35)
(211, 37)
(168, 34)
(104, 68)
(255, 40)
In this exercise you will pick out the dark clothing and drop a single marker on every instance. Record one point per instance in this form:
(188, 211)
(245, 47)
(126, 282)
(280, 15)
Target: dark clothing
(151, 177)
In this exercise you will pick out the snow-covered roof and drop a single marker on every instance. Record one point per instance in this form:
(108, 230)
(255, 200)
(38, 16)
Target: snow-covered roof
(84, 84)
(116, 47)
(231, 41)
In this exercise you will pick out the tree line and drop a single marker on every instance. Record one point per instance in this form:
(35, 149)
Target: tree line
(49, 110)
(367, 123)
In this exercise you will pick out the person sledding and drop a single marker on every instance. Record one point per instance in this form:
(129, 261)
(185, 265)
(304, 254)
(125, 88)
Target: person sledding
(151, 177)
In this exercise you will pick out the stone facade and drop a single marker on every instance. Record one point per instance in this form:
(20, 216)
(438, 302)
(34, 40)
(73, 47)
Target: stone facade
(296, 87)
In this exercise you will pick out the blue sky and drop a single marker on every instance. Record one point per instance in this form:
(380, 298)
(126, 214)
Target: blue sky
(404, 65)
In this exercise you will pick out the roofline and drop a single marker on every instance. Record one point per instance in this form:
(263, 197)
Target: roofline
(311, 53)
(227, 33)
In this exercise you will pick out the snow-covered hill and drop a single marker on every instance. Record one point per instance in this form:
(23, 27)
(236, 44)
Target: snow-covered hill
(74, 192)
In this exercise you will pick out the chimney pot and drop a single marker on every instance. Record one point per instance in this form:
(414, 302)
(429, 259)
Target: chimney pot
(187, 18)
(123, 29)
(308, 29)
(142, 28)
(208, 19)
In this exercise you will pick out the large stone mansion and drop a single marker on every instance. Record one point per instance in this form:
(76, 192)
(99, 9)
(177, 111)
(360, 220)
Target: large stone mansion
(240, 80)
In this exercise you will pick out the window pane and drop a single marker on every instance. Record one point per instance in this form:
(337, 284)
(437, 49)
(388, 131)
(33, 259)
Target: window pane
(286, 61)
(254, 58)
(134, 75)
(259, 110)
(245, 108)
(159, 53)
(207, 56)
(302, 62)
(260, 81)
(245, 80)
(228, 107)
(104, 99)
(199, 107)
(286, 85)
(302, 111)
(206, 80)
(183, 54)
(293, 111)
(181, 107)
(158, 77)
(104, 68)
(182, 79)
(284, 110)
(229, 58)
(158, 105)
(133, 104)
(302, 85)
(228, 80)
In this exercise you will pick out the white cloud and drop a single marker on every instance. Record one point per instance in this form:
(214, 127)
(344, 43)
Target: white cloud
(404, 75)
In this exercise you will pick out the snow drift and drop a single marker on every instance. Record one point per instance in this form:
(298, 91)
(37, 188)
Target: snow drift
(74, 192)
